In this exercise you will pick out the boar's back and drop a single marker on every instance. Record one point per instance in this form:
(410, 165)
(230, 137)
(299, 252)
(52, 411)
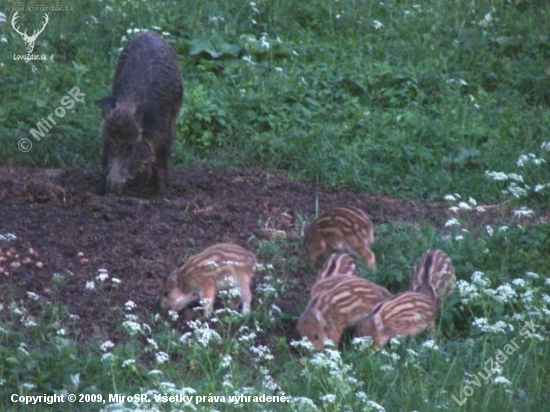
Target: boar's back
(148, 72)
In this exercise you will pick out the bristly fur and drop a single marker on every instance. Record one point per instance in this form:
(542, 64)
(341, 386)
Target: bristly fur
(406, 314)
(218, 267)
(139, 116)
(434, 275)
(341, 229)
(339, 302)
(337, 265)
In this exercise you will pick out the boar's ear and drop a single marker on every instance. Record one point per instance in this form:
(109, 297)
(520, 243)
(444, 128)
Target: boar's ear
(107, 104)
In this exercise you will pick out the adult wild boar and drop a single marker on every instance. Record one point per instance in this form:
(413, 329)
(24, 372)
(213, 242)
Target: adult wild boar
(139, 117)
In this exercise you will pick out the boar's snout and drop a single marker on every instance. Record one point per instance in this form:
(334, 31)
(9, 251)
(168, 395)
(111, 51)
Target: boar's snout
(116, 177)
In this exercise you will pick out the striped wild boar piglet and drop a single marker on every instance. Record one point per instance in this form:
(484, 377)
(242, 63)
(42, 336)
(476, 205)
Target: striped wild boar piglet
(338, 306)
(336, 268)
(341, 229)
(434, 275)
(337, 264)
(139, 117)
(407, 313)
(219, 267)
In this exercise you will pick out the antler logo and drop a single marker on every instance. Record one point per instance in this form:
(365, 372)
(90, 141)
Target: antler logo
(29, 40)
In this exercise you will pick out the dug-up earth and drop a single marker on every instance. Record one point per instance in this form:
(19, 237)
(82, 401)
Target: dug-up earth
(62, 225)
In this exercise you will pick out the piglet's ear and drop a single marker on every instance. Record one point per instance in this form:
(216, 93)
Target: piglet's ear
(320, 318)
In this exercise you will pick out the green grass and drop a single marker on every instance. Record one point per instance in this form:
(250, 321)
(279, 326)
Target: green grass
(405, 99)
(391, 97)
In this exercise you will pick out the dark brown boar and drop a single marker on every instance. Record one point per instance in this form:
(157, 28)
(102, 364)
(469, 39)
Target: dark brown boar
(139, 117)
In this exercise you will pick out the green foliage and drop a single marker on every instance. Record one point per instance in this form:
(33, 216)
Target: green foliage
(414, 99)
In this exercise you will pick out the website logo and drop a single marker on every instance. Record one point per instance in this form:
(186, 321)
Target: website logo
(29, 40)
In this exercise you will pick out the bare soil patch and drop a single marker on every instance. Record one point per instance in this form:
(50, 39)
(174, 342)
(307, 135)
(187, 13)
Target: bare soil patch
(63, 226)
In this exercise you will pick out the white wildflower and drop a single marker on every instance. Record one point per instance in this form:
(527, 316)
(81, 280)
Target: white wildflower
(152, 343)
(430, 344)
(467, 291)
(185, 337)
(523, 212)
(204, 334)
(479, 279)
(105, 346)
(519, 283)
(516, 177)
(486, 21)
(262, 352)
(502, 380)
(108, 357)
(23, 348)
(516, 191)
(226, 361)
(33, 296)
(452, 222)
(522, 160)
(527, 296)
(173, 315)
(377, 407)
(28, 321)
(377, 24)
(303, 343)
(247, 338)
(328, 398)
(161, 357)
(128, 306)
(496, 176)
(102, 275)
(132, 327)
(90, 285)
(302, 400)
(505, 293)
